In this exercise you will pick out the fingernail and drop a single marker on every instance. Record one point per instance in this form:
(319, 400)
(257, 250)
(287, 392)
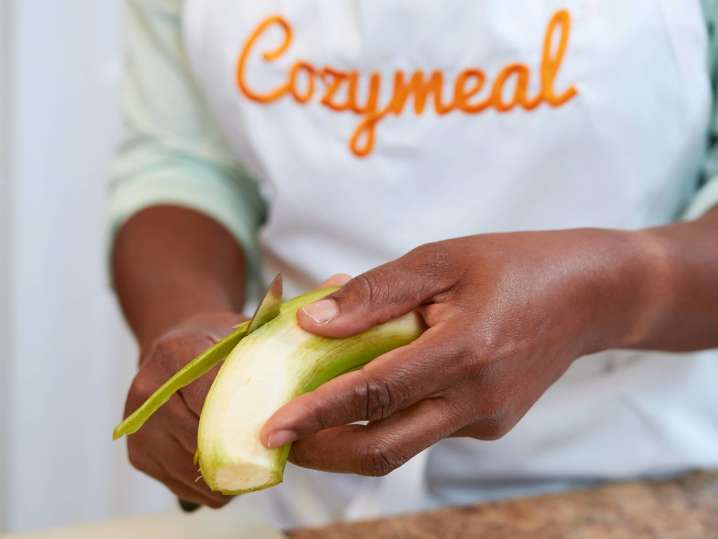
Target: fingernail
(322, 311)
(278, 439)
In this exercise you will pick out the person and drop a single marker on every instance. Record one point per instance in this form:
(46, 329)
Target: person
(537, 180)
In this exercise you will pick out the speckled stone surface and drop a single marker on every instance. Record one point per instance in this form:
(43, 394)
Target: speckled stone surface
(683, 508)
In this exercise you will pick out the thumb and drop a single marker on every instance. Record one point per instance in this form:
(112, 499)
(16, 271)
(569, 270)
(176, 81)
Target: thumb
(372, 298)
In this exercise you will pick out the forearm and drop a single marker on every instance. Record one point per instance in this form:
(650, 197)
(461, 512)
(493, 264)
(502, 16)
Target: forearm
(170, 263)
(677, 275)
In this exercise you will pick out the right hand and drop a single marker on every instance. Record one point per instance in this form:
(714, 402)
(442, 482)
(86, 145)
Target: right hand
(164, 448)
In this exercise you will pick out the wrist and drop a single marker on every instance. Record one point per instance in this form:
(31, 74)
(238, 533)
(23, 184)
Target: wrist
(634, 270)
(177, 302)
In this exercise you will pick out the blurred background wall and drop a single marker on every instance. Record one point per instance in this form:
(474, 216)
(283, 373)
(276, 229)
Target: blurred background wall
(5, 333)
(66, 356)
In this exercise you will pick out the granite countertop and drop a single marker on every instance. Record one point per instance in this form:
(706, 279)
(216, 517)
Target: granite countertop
(682, 508)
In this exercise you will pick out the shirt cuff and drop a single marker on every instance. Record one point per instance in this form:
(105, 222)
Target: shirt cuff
(201, 188)
(705, 200)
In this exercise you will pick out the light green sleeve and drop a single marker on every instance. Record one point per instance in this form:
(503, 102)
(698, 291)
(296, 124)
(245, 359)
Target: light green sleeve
(172, 151)
(707, 196)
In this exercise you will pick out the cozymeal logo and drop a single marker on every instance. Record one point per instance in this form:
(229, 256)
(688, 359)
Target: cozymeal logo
(338, 90)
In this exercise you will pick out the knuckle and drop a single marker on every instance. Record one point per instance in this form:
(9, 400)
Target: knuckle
(461, 358)
(498, 340)
(474, 366)
(386, 288)
(368, 287)
(494, 428)
(174, 349)
(433, 250)
(490, 340)
(377, 398)
(494, 404)
(142, 387)
(136, 458)
(164, 350)
(171, 352)
(433, 259)
(481, 359)
(320, 419)
(377, 460)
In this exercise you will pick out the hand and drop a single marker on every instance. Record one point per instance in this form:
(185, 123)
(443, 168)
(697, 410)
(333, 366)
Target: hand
(506, 314)
(164, 448)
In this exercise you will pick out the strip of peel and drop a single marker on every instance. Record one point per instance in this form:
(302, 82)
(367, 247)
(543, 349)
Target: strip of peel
(191, 372)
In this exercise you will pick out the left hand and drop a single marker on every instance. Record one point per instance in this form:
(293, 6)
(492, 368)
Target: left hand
(507, 314)
(164, 449)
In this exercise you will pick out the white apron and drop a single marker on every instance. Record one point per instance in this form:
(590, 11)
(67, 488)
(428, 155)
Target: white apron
(374, 127)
